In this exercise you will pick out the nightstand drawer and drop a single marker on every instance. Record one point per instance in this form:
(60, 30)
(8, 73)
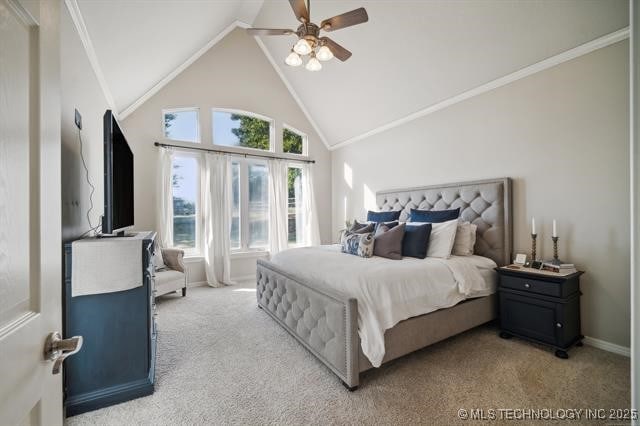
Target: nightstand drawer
(531, 285)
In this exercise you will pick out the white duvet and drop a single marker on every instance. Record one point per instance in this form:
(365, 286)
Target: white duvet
(389, 291)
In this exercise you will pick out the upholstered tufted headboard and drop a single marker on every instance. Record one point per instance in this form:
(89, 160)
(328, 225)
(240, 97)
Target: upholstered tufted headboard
(486, 203)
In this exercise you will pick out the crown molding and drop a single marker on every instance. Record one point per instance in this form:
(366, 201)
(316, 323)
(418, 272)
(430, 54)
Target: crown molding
(552, 61)
(83, 33)
(292, 91)
(173, 74)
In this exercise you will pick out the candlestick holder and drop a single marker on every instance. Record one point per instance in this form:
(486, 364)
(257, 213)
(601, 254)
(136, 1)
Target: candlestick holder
(533, 246)
(555, 260)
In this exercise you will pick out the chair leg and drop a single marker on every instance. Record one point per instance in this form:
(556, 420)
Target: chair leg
(184, 291)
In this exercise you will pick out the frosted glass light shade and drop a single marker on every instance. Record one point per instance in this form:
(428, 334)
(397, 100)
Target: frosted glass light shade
(324, 53)
(313, 64)
(302, 47)
(293, 59)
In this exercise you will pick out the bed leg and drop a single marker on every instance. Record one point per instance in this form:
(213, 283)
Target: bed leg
(350, 388)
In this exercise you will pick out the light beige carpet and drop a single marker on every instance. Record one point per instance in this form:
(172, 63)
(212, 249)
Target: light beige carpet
(221, 360)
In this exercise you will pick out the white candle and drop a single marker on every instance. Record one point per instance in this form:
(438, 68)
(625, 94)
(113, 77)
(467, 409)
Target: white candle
(533, 225)
(555, 231)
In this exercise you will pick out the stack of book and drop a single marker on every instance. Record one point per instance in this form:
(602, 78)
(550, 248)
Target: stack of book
(563, 268)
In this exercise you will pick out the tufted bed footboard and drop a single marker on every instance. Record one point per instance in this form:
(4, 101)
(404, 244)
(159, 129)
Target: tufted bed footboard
(322, 320)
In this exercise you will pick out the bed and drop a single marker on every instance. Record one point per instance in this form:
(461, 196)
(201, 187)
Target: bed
(318, 307)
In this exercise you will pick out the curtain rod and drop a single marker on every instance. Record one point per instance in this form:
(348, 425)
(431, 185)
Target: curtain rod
(241, 154)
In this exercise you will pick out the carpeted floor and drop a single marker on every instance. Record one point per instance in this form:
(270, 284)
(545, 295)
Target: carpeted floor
(221, 360)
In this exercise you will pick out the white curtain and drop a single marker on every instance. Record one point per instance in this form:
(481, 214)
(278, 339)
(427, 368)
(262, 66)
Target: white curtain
(278, 200)
(164, 209)
(215, 190)
(311, 226)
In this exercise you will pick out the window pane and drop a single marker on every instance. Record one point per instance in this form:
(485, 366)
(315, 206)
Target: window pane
(291, 142)
(294, 210)
(231, 129)
(258, 206)
(185, 191)
(235, 206)
(181, 125)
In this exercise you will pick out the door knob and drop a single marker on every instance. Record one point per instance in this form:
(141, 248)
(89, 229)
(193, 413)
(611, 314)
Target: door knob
(57, 349)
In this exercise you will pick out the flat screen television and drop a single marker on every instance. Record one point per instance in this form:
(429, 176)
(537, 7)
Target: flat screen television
(118, 179)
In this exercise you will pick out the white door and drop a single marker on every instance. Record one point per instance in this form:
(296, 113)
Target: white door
(30, 242)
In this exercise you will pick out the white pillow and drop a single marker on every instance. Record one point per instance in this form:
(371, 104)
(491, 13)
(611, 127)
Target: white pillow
(441, 239)
(158, 261)
(465, 239)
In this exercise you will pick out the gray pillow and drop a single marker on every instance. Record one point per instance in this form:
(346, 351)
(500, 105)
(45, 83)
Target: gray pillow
(358, 244)
(362, 228)
(388, 241)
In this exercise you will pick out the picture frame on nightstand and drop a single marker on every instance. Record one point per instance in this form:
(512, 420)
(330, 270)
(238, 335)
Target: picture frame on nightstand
(521, 259)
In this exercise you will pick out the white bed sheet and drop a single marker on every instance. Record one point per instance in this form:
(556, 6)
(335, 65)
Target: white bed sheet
(389, 291)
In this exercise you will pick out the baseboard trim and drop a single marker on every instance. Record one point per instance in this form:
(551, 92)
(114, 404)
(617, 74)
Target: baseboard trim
(234, 279)
(607, 346)
(249, 277)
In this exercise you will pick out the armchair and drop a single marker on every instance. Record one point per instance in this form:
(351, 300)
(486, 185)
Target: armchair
(172, 275)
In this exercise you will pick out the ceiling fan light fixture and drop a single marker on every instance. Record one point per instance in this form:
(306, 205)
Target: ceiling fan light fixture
(293, 60)
(324, 53)
(313, 64)
(302, 47)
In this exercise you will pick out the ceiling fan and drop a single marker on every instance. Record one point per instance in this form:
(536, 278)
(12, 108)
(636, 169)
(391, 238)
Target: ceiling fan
(309, 40)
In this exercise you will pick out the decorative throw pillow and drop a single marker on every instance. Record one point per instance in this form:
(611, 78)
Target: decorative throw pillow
(465, 239)
(388, 241)
(416, 240)
(362, 228)
(158, 261)
(387, 224)
(358, 244)
(441, 241)
(434, 216)
(383, 216)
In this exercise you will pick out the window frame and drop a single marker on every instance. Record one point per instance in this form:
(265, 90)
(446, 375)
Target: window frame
(305, 141)
(197, 250)
(165, 111)
(272, 130)
(243, 180)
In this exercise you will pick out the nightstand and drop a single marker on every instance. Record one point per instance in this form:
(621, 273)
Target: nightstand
(542, 308)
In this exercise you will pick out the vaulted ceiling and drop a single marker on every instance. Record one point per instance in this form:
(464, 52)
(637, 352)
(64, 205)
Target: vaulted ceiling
(138, 43)
(410, 55)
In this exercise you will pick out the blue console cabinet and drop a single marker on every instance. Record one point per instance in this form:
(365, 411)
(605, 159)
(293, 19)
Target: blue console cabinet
(117, 360)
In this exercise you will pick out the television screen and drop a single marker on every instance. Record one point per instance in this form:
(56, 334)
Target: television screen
(118, 178)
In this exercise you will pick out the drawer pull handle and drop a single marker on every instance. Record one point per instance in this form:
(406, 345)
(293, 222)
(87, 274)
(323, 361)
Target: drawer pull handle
(527, 285)
(558, 325)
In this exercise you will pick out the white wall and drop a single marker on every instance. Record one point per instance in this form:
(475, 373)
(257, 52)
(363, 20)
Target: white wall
(234, 74)
(562, 135)
(79, 89)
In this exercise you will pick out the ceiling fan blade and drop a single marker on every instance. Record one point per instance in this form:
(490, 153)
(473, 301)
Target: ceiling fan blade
(269, 31)
(300, 10)
(355, 17)
(337, 50)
